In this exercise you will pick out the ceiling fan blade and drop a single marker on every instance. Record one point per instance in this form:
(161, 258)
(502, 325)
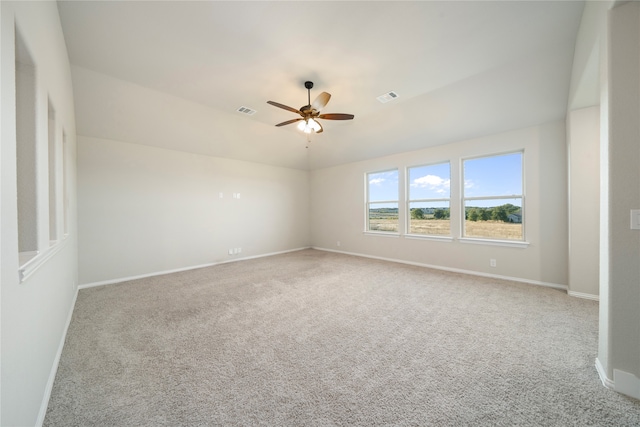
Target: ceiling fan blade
(320, 101)
(288, 122)
(336, 116)
(284, 107)
(321, 129)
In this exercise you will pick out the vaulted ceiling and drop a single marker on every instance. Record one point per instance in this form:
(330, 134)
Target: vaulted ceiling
(461, 70)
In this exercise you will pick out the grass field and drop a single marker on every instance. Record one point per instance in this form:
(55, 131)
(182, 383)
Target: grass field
(489, 229)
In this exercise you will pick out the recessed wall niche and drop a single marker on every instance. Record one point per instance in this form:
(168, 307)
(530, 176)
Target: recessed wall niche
(26, 151)
(53, 169)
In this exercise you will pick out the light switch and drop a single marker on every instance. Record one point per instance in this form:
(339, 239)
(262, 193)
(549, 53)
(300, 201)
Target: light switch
(635, 219)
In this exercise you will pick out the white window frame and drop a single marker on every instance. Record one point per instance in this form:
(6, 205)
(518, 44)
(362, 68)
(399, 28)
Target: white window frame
(463, 203)
(368, 203)
(408, 202)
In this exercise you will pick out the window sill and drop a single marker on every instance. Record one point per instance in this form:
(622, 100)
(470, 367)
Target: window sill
(24, 258)
(507, 243)
(429, 237)
(381, 233)
(31, 261)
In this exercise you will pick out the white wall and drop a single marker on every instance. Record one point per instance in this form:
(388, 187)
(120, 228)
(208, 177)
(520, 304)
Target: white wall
(337, 209)
(583, 144)
(145, 210)
(619, 350)
(583, 140)
(590, 87)
(35, 312)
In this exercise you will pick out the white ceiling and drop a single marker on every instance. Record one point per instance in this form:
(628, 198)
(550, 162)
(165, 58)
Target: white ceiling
(462, 69)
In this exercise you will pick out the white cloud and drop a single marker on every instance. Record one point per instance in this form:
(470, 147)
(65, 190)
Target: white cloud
(469, 184)
(377, 181)
(432, 182)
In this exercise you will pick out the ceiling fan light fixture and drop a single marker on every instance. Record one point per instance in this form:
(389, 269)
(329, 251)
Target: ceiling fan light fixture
(315, 126)
(309, 125)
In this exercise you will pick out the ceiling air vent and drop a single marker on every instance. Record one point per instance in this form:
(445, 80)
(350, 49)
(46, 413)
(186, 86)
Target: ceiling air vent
(389, 96)
(246, 110)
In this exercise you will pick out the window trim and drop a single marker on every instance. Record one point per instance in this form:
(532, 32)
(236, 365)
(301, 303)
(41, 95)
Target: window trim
(367, 203)
(408, 202)
(488, 240)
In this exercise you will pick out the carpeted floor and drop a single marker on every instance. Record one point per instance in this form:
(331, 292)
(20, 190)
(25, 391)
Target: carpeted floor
(312, 338)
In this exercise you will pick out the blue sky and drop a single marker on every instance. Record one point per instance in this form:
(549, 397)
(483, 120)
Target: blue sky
(486, 176)
(383, 186)
(493, 176)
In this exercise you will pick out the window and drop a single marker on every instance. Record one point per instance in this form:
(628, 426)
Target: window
(493, 197)
(429, 199)
(382, 201)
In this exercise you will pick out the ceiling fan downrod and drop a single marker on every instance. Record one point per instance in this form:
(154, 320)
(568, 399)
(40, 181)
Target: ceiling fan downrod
(309, 86)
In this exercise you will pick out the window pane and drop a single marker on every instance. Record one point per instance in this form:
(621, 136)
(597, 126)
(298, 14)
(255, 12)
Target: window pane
(429, 218)
(493, 176)
(494, 219)
(383, 186)
(429, 182)
(383, 217)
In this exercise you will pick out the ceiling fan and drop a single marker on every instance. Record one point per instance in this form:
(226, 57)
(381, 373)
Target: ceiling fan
(310, 113)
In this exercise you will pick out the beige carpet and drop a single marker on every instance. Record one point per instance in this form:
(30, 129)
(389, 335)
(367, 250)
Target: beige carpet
(313, 338)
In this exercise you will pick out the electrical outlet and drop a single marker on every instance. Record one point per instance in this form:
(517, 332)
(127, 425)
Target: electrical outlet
(338, 243)
(239, 250)
(492, 262)
(230, 251)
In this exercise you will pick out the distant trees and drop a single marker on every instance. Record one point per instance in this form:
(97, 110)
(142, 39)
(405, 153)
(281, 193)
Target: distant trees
(430, 213)
(441, 214)
(473, 213)
(496, 213)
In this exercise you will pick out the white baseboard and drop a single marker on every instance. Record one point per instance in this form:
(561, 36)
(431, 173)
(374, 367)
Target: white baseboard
(583, 295)
(626, 383)
(54, 367)
(453, 270)
(177, 270)
(623, 382)
(142, 276)
(264, 255)
(606, 381)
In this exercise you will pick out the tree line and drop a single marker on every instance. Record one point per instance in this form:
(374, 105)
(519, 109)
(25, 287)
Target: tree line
(496, 213)
(418, 213)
